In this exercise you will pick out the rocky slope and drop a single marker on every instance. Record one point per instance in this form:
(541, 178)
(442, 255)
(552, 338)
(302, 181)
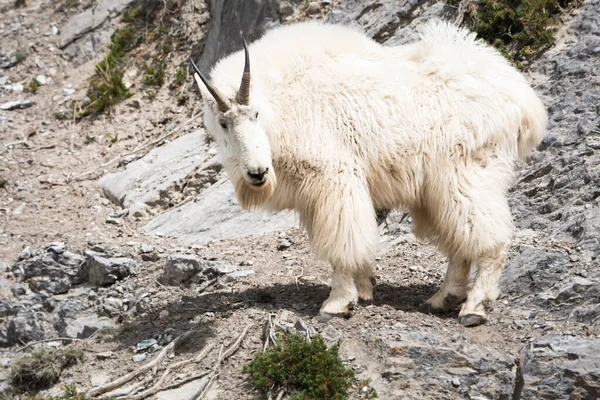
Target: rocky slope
(125, 245)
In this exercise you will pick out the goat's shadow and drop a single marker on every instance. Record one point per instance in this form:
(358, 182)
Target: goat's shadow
(304, 299)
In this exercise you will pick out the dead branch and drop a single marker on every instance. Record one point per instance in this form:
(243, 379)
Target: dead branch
(146, 367)
(158, 386)
(28, 345)
(216, 370)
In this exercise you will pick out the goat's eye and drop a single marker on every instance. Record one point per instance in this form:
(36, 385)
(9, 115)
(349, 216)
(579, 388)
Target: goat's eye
(223, 124)
(256, 116)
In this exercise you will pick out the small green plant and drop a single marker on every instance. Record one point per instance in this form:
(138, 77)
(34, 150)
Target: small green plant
(131, 14)
(308, 370)
(112, 138)
(20, 55)
(167, 46)
(155, 75)
(366, 389)
(180, 75)
(42, 368)
(518, 28)
(33, 85)
(182, 100)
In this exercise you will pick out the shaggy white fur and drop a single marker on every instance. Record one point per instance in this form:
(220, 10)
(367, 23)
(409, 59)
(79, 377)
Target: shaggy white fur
(346, 126)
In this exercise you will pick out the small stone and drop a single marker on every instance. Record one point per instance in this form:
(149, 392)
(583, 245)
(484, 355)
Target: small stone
(313, 8)
(331, 336)
(145, 344)
(99, 379)
(68, 91)
(84, 327)
(114, 221)
(284, 244)
(104, 355)
(42, 80)
(239, 274)
(111, 307)
(17, 88)
(455, 382)
(150, 257)
(18, 290)
(101, 271)
(285, 8)
(138, 358)
(16, 105)
(146, 248)
(163, 314)
(54, 30)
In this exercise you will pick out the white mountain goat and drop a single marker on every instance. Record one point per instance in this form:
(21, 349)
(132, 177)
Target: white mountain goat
(336, 126)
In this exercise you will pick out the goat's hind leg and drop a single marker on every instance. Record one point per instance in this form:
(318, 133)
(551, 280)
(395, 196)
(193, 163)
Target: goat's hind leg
(484, 292)
(364, 281)
(453, 290)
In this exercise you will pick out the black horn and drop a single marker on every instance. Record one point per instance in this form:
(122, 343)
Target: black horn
(222, 100)
(243, 95)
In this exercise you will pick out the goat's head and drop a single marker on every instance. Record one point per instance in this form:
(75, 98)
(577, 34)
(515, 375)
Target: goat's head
(243, 143)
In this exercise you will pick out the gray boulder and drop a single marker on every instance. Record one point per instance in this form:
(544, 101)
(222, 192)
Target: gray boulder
(216, 215)
(560, 367)
(101, 270)
(80, 24)
(185, 269)
(230, 19)
(146, 182)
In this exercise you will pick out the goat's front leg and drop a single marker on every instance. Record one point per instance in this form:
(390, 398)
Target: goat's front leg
(343, 296)
(343, 230)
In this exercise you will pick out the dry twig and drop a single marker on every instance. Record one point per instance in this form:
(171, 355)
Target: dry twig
(216, 370)
(146, 367)
(46, 341)
(158, 386)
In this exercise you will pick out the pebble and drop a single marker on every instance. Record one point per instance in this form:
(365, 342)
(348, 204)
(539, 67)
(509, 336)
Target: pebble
(138, 358)
(16, 105)
(239, 274)
(284, 244)
(68, 91)
(104, 355)
(42, 80)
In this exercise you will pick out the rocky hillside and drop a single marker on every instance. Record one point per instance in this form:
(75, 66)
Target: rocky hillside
(125, 259)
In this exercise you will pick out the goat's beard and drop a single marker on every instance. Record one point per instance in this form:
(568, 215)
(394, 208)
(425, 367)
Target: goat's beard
(249, 196)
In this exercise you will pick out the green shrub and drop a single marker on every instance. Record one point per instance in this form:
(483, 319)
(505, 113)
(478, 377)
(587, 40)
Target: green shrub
(308, 370)
(518, 28)
(42, 368)
(155, 75)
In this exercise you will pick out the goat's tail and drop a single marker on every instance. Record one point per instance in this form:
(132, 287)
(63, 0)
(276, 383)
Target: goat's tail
(533, 123)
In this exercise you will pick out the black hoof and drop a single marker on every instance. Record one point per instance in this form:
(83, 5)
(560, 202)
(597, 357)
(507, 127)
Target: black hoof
(427, 308)
(364, 303)
(470, 320)
(326, 317)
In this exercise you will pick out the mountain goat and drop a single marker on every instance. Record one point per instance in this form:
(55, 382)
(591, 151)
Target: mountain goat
(336, 126)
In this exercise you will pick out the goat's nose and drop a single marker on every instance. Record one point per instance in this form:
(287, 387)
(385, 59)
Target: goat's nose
(258, 174)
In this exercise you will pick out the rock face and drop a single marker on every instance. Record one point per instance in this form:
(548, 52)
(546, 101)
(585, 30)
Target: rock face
(80, 24)
(216, 215)
(388, 22)
(560, 367)
(48, 298)
(142, 182)
(229, 20)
